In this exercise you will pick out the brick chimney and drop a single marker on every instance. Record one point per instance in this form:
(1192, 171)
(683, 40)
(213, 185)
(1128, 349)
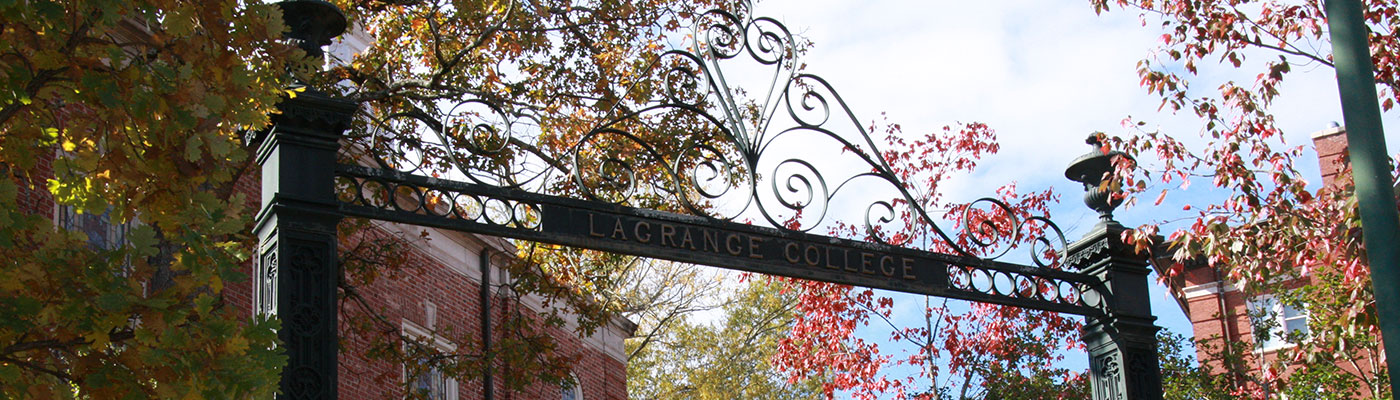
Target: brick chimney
(1331, 144)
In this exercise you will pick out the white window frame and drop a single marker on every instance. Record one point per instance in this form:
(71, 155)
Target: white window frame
(449, 385)
(1278, 315)
(115, 236)
(576, 390)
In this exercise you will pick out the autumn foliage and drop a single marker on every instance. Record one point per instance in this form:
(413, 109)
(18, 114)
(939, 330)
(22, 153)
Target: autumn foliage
(960, 351)
(146, 104)
(132, 110)
(1273, 232)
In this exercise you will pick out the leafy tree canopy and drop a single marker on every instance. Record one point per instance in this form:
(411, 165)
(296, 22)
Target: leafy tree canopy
(1273, 233)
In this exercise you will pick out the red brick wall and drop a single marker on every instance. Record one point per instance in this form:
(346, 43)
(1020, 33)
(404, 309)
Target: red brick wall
(401, 297)
(33, 196)
(1332, 159)
(1210, 325)
(239, 295)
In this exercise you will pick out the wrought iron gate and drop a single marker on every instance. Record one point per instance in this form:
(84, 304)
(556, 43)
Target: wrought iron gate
(741, 159)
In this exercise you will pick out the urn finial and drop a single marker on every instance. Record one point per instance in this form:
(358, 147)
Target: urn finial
(1093, 169)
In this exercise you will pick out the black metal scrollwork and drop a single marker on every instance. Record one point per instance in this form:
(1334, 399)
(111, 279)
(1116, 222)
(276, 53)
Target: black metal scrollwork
(707, 148)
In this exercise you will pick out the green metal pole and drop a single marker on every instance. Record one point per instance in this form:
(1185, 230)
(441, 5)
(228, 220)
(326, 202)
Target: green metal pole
(1380, 223)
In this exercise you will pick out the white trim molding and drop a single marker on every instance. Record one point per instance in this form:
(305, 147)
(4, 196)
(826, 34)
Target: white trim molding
(1206, 289)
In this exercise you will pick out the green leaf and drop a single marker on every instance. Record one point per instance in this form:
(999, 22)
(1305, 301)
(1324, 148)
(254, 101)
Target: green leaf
(143, 240)
(16, 309)
(220, 147)
(215, 103)
(192, 150)
(203, 304)
(111, 301)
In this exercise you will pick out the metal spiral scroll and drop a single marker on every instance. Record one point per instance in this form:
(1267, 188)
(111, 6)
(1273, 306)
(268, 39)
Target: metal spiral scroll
(683, 80)
(705, 149)
(466, 130)
(713, 174)
(1047, 244)
(725, 35)
(397, 142)
(611, 178)
(721, 36)
(471, 141)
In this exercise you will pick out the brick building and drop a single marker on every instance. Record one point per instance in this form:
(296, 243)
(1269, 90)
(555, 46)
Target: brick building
(1220, 312)
(444, 293)
(440, 292)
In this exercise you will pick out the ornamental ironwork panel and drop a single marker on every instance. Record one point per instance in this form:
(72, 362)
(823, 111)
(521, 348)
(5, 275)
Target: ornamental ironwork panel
(785, 157)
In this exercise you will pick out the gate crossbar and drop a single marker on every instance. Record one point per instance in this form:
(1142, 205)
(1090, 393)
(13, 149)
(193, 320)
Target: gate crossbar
(396, 196)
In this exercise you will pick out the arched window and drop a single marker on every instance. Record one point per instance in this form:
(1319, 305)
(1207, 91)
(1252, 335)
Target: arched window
(571, 391)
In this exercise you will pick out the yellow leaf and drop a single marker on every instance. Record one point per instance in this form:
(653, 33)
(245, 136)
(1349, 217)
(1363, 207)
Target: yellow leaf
(11, 285)
(68, 145)
(99, 339)
(236, 345)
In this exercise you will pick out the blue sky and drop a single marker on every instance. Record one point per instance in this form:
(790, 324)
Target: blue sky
(1042, 74)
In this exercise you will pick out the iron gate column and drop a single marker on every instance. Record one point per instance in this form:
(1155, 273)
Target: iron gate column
(295, 269)
(1122, 343)
(297, 272)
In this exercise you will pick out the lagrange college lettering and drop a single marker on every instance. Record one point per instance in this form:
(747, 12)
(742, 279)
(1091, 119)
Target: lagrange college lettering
(736, 244)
